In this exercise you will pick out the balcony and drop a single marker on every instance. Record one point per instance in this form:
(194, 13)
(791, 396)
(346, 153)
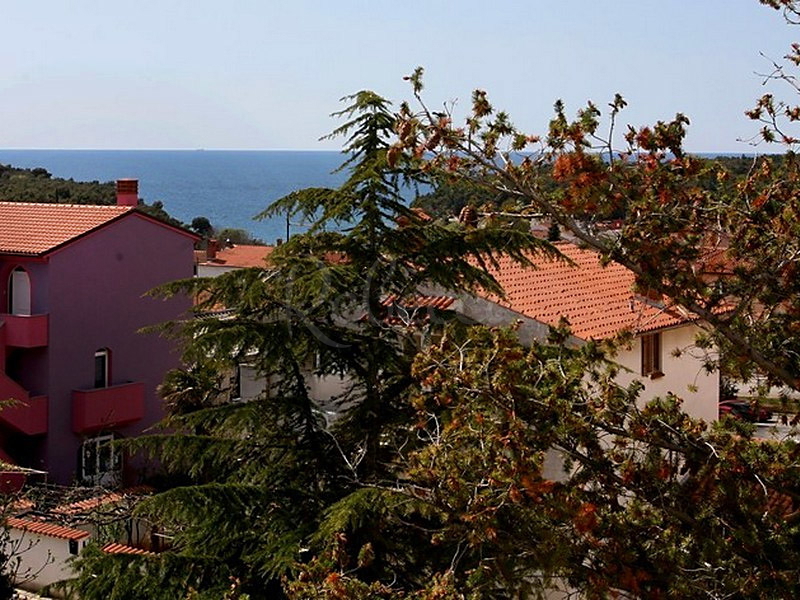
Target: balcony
(25, 331)
(24, 414)
(106, 408)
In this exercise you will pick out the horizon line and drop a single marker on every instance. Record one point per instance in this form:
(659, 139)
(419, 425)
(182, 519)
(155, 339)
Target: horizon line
(340, 151)
(38, 148)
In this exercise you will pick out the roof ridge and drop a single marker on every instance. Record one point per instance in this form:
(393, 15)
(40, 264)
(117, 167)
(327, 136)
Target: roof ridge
(65, 204)
(48, 529)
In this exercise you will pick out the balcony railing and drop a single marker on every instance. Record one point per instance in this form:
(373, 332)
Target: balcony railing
(20, 411)
(25, 331)
(106, 408)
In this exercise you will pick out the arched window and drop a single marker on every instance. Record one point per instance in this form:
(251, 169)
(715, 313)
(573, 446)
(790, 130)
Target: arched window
(102, 368)
(19, 292)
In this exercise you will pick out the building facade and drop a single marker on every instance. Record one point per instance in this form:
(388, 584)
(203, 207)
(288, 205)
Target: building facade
(76, 371)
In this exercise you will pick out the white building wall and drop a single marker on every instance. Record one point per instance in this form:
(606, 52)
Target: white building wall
(43, 559)
(213, 270)
(684, 375)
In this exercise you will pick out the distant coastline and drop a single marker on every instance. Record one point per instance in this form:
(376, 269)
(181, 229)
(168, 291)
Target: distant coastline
(229, 187)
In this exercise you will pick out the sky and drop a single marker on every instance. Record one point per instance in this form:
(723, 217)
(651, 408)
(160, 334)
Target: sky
(266, 74)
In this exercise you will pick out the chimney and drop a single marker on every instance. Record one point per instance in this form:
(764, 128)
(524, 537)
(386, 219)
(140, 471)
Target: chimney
(127, 192)
(211, 249)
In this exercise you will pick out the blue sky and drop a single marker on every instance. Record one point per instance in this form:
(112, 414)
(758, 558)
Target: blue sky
(266, 74)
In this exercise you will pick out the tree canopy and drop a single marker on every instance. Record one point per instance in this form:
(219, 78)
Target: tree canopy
(251, 484)
(456, 463)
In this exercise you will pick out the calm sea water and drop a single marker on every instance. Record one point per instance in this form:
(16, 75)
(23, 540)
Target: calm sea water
(228, 187)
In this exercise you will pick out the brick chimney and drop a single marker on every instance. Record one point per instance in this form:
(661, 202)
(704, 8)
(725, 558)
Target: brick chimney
(211, 249)
(127, 192)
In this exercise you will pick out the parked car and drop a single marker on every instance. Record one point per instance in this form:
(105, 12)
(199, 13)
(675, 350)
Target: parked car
(747, 411)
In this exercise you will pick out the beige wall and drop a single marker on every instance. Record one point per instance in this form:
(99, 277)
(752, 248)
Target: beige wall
(681, 374)
(684, 375)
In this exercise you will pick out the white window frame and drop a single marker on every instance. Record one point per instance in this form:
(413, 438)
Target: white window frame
(19, 292)
(101, 461)
(104, 380)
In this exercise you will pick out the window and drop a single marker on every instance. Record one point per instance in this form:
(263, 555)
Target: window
(102, 368)
(101, 461)
(651, 355)
(246, 383)
(19, 292)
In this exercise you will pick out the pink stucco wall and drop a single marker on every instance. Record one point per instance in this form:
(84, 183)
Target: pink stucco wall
(94, 291)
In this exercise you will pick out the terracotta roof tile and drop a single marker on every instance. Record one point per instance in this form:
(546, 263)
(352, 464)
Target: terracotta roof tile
(419, 301)
(598, 301)
(48, 529)
(89, 504)
(33, 228)
(123, 549)
(412, 310)
(241, 255)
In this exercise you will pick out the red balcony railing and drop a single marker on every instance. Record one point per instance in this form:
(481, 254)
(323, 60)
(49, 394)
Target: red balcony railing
(106, 408)
(20, 411)
(25, 331)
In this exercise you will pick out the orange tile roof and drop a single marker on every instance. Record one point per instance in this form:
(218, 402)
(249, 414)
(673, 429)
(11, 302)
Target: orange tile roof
(89, 504)
(241, 255)
(413, 310)
(48, 529)
(33, 228)
(418, 301)
(123, 549)
(598, 301)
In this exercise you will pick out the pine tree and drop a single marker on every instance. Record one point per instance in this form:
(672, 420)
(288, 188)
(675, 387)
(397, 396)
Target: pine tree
(252, 486)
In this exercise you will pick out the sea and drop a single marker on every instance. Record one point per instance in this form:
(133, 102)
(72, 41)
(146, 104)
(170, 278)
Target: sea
(229, 187)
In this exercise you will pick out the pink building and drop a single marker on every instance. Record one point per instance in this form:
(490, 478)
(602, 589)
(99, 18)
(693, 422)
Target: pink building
(73, 280)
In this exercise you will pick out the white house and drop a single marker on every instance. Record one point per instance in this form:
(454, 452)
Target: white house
(600, 302)
(43, 550)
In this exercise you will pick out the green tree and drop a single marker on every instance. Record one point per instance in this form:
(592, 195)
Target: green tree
(650, 504)
(433, 482)
(682, 236)
(157, 210)
(202, 226)
(253, 484)
(235, 236)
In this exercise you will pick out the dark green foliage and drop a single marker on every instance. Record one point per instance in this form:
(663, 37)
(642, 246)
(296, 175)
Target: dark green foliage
(235, 236)
(538, 471)
(257, 482)
(449, 197)
(156, 209)
(37, 185)
(202, 226)
(168, 577)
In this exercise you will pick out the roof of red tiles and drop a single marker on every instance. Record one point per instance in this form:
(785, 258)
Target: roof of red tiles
(598, 301)
(33, 228)
(123, 549)
(22, 505)
(84, 506)
(240, 255)
(48, 529)
(419, 301)
(411, 311)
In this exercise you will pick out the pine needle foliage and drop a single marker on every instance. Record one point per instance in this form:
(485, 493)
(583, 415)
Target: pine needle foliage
(258, 486)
